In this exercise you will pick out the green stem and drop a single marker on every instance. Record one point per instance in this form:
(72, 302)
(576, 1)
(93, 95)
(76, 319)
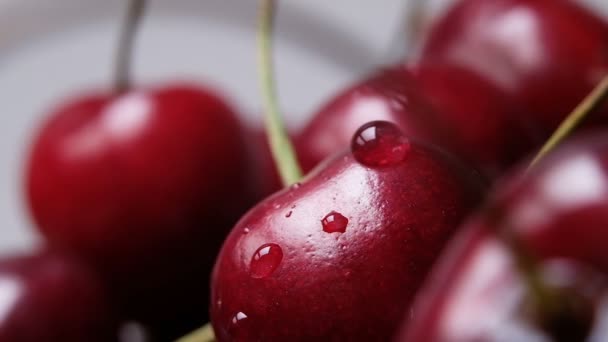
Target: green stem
(280, 145)
(122, 72)
(590, 104)
(203, 334)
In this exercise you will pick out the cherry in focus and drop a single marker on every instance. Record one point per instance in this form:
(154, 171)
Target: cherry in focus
(340, 255)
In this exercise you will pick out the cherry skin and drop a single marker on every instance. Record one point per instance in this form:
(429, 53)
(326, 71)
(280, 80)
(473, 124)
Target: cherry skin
(145, 185)
(559, 212)
(441, 104)
(51, 297)
(339, 256)
(546, 54)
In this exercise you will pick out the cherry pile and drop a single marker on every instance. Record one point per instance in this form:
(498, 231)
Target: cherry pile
(420, 217)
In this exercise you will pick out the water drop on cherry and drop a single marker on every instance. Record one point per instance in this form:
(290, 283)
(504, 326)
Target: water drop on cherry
(334, 222)
(266, 260)
(379, 143)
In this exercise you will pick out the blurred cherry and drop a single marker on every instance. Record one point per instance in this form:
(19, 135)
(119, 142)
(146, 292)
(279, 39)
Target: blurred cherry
(50, 297)
(559, 214)
(546, 54)
(145, 185)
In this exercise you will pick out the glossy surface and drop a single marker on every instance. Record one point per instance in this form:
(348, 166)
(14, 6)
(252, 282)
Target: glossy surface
(547, 54)
(145, 186)
(445, 105)
(560, 212)
(353, 285)
(484, 126)
(50, 297)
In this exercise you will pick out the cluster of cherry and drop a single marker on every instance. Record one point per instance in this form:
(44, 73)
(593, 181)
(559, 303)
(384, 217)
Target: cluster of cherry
(393, 233)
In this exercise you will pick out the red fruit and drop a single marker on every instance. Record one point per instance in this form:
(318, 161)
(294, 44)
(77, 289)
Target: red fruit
(144, 185)
(51, 297)
(546, 54)
(484, 127)
(559, 212)
(444, 105)
(339, 256)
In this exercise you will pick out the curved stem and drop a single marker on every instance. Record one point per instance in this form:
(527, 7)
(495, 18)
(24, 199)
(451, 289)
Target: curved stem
(124, 51)
(591, 103)
(280, 145)
(203, 334)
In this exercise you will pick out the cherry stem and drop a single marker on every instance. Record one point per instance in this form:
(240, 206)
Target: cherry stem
(590, 104)
(202, 334)
(124, 51)
(280, 145)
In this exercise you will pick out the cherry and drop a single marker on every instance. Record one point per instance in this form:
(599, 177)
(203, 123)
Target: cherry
(144, 185)
(340, 255)
(442, 104)
(49, 296)
(546, 54)
(558, 211)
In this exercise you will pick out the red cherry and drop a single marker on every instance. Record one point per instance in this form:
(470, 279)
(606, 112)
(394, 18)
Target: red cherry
(444, 105)
(51, 297)
(145, 185)
(559, 212)
(546, 54)
(339, 256)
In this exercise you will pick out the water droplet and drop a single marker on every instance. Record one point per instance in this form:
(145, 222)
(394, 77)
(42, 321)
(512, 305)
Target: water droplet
(246, 230)
(334, 222)
(379, 143)
(277, 206)
(295, 186)
(238, 317)
(289, 214)
(265, 260)
(238, 325)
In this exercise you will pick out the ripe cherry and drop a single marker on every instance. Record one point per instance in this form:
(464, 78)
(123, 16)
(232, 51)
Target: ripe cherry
(144, 185)
(49, 296)
(558, 212)
(340, 255)
(546, 54)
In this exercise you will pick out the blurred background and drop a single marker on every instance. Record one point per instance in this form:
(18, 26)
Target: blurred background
(50, 50)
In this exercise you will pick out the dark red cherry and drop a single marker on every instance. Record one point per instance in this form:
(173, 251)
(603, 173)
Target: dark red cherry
(339, 256)
(53, 298)
(546, 54)
(445, 105)
(145, 185)
(559, 214)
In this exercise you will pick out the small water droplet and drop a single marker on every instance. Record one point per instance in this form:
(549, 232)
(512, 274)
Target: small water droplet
(277, 206)
(295, 186)
(265, 260)
(380, 143)
(289, 214)
(334, 222)
(238, 325)
(238, 317)
(246, 230)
